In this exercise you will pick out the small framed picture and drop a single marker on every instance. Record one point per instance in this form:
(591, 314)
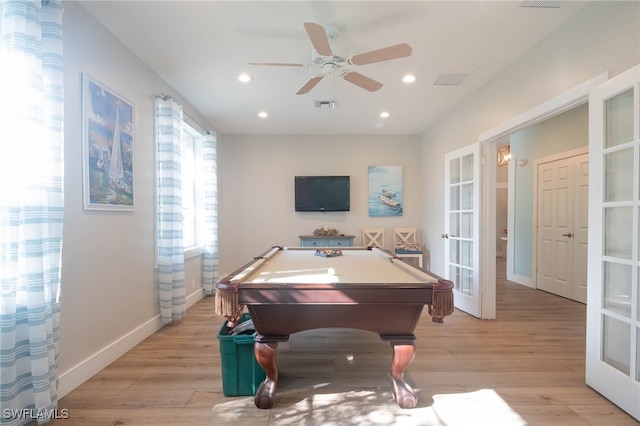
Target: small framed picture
(107, 148)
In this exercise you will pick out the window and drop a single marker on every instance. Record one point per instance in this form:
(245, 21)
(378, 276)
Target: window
(192, 190)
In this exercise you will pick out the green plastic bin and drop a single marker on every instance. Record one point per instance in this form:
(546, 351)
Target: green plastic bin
(241, 373)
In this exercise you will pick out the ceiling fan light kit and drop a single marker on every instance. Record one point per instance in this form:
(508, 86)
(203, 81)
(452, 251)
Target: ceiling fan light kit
(330, 58)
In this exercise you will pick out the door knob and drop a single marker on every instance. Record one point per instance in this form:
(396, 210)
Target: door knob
(568, 235)
(445, 235)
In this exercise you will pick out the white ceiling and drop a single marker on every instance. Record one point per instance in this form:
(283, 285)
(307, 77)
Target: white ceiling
(200, 47)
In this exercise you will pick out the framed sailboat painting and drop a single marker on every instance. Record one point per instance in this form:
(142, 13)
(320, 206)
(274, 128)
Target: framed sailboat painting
(107, 148)
(385, 191)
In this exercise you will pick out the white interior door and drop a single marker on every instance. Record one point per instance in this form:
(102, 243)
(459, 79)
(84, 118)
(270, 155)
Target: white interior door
(613, 294)
(562, 226)
(555, 226)
(462, 227)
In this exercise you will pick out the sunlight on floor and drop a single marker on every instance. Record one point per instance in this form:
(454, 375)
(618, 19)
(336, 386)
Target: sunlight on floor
(471, 407)
(372, 407)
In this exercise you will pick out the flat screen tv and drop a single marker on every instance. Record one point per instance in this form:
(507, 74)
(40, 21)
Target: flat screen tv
(322, 193)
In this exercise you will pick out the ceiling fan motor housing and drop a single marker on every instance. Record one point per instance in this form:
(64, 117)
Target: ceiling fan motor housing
(339, 57)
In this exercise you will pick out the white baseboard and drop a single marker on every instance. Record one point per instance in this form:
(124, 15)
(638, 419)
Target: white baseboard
(194, 297)
(83, 371)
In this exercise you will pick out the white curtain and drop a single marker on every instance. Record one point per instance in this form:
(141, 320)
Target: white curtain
(31, 206)
(210, 258)
(169, 209)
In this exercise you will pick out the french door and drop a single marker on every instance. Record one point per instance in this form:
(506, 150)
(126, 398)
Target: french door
(613, 291)
(462, 227)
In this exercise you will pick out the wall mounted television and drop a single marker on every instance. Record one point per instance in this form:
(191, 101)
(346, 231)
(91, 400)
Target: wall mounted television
(322, 193)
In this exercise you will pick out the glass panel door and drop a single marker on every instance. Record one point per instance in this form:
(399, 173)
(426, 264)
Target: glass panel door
(613, 299)
(462, 234)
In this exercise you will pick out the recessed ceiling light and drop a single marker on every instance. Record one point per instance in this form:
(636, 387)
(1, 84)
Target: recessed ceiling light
(245, 78)
(384, 114)
(263, 114)
(409, 78)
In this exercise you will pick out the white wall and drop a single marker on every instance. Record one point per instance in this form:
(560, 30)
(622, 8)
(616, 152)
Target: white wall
(256, 175)
(109, 296)
(605, 36)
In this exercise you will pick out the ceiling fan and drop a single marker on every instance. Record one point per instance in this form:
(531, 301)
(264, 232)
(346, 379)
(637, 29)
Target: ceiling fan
(331, 57)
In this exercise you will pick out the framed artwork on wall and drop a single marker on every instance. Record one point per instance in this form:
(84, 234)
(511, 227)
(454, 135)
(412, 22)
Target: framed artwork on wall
(107, 148)
(385, 191)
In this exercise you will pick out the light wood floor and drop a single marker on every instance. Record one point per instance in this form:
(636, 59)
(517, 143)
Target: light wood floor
(525, 368)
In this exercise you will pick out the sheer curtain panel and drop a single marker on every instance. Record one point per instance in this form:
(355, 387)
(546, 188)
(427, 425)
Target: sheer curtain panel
(31, 207)
(210, 258)
(171, 275)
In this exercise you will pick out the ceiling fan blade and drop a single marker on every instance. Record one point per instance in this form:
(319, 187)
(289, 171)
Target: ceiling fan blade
(306, 88)
(361, 80)
(318, 37)
(386, 54)
(276, 64)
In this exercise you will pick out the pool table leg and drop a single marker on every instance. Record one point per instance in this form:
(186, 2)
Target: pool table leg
(266, 356)
(403, 354)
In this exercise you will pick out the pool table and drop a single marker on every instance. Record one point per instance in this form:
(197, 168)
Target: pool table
(292, 289)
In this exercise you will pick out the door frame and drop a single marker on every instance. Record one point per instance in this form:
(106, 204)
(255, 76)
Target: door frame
(572, 98)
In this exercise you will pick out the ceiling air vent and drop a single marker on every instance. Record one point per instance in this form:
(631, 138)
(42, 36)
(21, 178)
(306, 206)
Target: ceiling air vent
(453, 79)
(543, 4)
(326, 104)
